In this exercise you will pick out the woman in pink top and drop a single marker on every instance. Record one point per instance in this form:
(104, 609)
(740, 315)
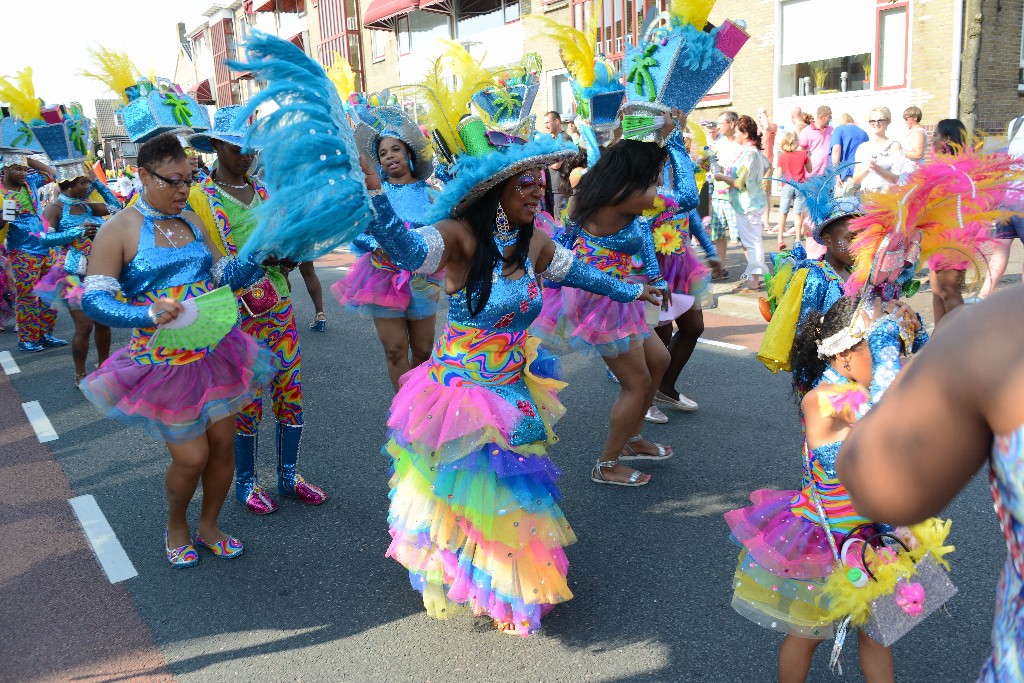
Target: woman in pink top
(793, 165)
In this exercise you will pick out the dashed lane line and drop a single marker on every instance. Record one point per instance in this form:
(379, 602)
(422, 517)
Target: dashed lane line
(8, 363)
(37, 418)
(108, 550)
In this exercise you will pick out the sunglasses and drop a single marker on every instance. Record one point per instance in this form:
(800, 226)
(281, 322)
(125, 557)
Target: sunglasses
(877, 122)
(179, 183)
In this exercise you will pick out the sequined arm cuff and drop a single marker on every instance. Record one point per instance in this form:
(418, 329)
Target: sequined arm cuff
(560, 264)
(99, 302)
(584, 276)
(58, 238)
(234, 273)
(684, 181)
(364, 243)
(409, 249)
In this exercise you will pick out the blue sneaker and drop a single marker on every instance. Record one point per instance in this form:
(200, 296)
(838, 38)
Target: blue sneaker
(31, 347)
(49, 341)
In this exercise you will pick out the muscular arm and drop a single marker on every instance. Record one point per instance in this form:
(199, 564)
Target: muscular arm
(934, 429)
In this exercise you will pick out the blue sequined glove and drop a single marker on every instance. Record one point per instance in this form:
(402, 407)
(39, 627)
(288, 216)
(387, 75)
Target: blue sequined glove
(684, 183)
(237, 275)
(101, 304)
(419, 250)
(570, 271)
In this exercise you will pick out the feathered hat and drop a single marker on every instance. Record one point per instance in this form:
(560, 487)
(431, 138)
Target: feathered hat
(823, 206)
(148, 108)
(941, 216)
(318, 199)
(679, 57)
(391, 121)
(486, 147)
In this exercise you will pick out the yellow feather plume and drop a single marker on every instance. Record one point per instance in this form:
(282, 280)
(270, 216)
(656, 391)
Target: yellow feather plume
(20, 95)
(447, 101)
(693, 12)
(342, 75)
(114, 69)
(575, 47)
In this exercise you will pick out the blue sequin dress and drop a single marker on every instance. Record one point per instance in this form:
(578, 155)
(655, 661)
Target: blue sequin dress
(374, 286)
(172, 394)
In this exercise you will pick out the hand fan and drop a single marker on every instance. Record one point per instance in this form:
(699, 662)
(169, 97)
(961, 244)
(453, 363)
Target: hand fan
(206, 320)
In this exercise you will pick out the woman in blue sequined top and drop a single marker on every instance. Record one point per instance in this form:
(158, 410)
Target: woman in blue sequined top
(403, 305)
(64, 281)
(144, 263)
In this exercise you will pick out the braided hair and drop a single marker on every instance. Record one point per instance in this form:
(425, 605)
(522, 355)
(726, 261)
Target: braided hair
(817, 326)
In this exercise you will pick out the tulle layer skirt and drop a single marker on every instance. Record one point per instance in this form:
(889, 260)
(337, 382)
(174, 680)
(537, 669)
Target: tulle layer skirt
(177, 403)
(58, 284)
(474, 513)
(375, 292)
(575, 320)
(684, 273)
(783, 565)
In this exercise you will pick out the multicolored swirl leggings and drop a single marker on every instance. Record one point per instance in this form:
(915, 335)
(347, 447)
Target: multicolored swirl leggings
(33, 317)
(276, 331)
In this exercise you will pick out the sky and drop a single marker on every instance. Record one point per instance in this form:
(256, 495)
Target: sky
(53, 37)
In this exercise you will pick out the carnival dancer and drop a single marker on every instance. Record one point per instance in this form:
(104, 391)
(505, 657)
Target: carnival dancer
(402, 304)
(29, 246)
(143, 264)
(607, 229)
(843, 360)
(799, 285)
(226, 201)
(64, 280)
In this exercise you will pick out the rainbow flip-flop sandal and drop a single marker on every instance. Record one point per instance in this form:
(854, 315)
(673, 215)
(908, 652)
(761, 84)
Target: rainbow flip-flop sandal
(183, 557)
(228, 548)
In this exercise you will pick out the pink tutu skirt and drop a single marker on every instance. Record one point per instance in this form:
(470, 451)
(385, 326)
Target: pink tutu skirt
(374, 292)
(684, 273)
(783, 566)
(177, 403)
(572, 319)
(62, 285)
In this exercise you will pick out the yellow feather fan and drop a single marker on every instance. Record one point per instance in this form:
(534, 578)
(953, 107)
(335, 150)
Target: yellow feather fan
(20, 95)
(447, 101)
(575, 47)
(693, 12)
(342, 75)
(114, 69)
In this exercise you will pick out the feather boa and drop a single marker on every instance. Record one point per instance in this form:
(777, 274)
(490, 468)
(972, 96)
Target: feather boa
(318, 200)
(945, 209)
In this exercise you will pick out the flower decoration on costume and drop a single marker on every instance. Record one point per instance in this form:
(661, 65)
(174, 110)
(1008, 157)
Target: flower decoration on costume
(667, 239)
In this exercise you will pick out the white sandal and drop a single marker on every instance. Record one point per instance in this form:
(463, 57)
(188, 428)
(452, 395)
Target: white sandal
(663, 451)
(597, 476)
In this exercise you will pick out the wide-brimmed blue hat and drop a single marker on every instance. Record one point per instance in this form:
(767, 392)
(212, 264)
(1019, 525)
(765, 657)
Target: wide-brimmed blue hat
(224, 128)
(822, 203)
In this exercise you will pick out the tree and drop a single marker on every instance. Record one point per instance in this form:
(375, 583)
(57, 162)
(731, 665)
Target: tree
(969, 64)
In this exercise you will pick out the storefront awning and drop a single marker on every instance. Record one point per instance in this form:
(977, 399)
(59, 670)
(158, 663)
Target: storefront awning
(381, 14)
(202, 93)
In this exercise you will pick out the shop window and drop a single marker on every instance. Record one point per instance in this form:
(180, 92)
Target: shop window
(891, 70)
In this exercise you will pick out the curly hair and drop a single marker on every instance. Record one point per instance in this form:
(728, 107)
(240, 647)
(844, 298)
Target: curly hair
(817, 326)
(160, 149)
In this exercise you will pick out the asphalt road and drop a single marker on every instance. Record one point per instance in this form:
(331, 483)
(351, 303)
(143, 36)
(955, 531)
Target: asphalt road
(314, 599)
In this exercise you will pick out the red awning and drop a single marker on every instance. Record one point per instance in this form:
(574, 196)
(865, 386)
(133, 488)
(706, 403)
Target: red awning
(381, 14)
(439, 6)
(254, 6)
(202, 93)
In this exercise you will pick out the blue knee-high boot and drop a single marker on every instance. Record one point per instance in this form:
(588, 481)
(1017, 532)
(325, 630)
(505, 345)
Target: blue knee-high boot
(289, 482)
(247, 488)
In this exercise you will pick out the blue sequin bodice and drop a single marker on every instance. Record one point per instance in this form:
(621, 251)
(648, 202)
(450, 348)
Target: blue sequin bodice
(411, 202)
(826, 457)
(629, 240)
(512, 306)
(74, 220)
(822, 288)
(156, 267)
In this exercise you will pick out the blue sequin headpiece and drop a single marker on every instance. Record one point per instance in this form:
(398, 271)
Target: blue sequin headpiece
(822, 204)
(63, 132)
(225, 128)
(15, 134)
(674, 64)
(388, 121)
(162, 108)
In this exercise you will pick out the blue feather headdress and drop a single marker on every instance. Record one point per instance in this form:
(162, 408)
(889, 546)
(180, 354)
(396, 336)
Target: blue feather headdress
(819, 192)
(317, 197)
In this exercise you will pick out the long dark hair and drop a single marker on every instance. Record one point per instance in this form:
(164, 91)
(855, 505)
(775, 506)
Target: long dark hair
(481, 215)
(578, 160)
(954, 135)
(627, 167)
(817, 326)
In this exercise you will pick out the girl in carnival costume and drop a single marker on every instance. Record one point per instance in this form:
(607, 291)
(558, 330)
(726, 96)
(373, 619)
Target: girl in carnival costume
(143, 264)
(842, 361)
(474, 514)
(64, 281)
(403, 305)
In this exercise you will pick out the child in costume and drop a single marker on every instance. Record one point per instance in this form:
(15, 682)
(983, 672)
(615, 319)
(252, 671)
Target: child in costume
(229, 210)
(73, 210)
(402, 304)
(144, 263)
(842, 361)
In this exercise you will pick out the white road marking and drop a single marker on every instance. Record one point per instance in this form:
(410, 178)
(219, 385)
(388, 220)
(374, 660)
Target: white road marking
(8, 363)
(342, 268)
(109, 551)
(724, 345)
(44, 430)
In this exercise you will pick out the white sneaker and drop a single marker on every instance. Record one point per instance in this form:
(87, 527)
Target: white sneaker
(655, 415)
(683, 404)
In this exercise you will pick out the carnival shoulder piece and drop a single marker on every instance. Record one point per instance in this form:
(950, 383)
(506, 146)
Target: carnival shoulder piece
(679, 57)
(317, 197)
(941, 217)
